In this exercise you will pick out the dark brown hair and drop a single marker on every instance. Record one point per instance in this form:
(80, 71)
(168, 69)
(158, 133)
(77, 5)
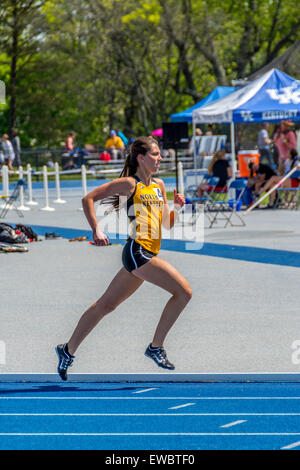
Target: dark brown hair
(141, 145)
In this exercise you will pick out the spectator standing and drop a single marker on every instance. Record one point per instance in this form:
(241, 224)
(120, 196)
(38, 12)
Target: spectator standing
(69, 149)
(115, 145)
(285, 140)
(17, 148)
(264, 145)
(210, 130)
(8, 151)
(122, 136)
(69, 146)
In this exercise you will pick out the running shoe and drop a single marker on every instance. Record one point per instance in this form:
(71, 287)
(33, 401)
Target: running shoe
(52, 235)
(65, 361)
(159, 356)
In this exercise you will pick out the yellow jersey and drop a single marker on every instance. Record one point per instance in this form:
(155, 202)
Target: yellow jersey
(144, 209)
(116, 142)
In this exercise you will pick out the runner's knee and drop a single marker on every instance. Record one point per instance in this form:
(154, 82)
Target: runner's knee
(185, 292)
(105, 306)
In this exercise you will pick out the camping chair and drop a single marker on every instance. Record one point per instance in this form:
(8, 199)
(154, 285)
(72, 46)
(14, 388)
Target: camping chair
(201, 147)
(221, 142)
(10, 200)
(295, 190)
(213, 145)
(225, 209)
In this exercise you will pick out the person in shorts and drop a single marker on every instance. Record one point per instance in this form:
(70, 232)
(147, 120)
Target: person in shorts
(147, 209)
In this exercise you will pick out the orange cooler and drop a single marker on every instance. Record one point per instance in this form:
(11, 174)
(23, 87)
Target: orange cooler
(244, 158)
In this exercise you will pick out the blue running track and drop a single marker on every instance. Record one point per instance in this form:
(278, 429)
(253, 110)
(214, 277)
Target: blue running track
(149, 416)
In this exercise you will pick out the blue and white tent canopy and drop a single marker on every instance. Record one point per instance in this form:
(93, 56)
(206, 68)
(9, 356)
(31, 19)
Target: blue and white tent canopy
(216, 94)
(273, 97)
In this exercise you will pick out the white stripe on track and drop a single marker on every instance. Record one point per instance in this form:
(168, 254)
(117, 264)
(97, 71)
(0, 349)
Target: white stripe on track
(291, 446)
(146, 390)
(181, 406)
(229, 425)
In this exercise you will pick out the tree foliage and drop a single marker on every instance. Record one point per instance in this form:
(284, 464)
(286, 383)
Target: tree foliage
(95, 64)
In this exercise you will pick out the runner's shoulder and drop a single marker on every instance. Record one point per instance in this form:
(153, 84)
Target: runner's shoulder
(160, 182)
(125, 185)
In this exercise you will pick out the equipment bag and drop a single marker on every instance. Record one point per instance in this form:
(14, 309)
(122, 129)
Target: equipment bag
(9, 235)
(30, 234)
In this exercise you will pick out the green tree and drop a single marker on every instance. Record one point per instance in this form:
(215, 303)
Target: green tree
(21, 27)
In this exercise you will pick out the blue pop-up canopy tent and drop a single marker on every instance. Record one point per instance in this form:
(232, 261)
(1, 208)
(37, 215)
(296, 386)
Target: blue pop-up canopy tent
(271, 98)
(216, 94)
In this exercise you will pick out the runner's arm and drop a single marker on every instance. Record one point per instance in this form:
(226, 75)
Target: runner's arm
(120, 186)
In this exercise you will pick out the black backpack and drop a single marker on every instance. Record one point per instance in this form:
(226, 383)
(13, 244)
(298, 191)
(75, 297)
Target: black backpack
(9, 235)
(30, 234)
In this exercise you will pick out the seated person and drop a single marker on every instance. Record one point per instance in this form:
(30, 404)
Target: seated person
(259, 175)
(289, 164)
(219, 167)
(115, 145)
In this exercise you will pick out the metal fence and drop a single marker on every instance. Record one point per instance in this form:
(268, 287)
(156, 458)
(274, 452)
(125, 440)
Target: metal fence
(37, 158)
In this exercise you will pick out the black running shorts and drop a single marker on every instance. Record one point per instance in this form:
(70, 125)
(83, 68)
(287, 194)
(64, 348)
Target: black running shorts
(135, 255)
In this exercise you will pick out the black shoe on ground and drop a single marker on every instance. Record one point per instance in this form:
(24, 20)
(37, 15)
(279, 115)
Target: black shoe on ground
(65, 361)
(52, 235)
(159, 356)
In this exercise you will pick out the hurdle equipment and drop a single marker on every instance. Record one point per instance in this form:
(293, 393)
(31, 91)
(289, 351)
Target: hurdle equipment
(180, 178)
(5, 184)
(30, 201)
(58, 200)
(45, 180)
(22, 207)
(83, 182)
(284, 178)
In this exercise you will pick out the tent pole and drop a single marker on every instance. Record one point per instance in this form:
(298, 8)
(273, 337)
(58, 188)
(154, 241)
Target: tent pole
(233, 160)
(194, 150)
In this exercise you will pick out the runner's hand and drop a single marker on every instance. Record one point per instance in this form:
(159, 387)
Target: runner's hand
(99, 237)
(179, 200)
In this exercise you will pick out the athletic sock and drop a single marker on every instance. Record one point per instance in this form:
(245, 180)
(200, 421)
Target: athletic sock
(151, 347)
(66, 350)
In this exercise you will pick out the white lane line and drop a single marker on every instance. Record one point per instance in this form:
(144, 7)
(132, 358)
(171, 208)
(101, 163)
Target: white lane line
(291, 446)
(234, 423)
(181, 406)
(149, 398)
(153, 434)
(146, 390)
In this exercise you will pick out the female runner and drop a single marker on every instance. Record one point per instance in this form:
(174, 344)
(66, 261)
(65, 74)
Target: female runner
(147, 209)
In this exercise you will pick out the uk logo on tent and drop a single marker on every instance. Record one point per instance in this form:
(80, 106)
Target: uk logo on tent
(285, 95)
